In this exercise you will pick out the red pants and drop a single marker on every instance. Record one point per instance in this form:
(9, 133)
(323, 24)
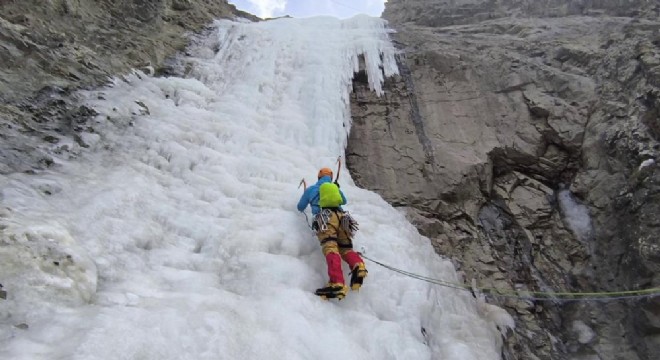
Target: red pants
(336, 246)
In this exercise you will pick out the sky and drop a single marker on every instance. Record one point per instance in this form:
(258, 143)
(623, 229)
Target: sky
(173, 232)
(305, 8)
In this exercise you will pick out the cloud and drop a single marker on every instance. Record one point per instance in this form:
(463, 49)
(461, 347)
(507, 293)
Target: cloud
(350, 8)
(266, 8)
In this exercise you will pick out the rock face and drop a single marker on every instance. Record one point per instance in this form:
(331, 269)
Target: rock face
(48, 49)
(458, 12)
(524, 143)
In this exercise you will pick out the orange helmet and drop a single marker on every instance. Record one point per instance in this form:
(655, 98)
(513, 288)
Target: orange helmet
(325, 172)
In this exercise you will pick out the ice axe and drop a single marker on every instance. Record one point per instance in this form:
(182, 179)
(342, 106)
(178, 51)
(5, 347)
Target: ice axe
(338, 168)
(304, 184)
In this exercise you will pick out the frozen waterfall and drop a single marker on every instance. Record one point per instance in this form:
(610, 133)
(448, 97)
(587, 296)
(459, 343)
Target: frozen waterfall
(174, 233)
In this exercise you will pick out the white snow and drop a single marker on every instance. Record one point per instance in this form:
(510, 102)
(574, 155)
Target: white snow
(645, 163)
(175, 234)
(575, 215)
(585, 334)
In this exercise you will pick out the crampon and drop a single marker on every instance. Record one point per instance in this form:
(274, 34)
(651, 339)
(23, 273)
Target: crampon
(332, 291)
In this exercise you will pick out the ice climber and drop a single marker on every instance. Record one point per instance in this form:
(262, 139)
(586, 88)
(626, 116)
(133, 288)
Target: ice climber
(334, 228)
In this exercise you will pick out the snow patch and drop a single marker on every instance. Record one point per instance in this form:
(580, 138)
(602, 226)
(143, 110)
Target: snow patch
(575, 215)
(645, 163)
(584, 333)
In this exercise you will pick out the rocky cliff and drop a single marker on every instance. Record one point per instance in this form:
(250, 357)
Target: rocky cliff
(440, 13)
(49, 49)
(523, 137)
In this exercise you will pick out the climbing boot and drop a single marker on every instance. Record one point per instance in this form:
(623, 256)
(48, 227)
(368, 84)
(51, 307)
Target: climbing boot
(332, 291)
(358, 274)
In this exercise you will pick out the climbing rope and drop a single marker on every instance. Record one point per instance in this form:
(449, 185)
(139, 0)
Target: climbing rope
(530, 295)
(309, 225)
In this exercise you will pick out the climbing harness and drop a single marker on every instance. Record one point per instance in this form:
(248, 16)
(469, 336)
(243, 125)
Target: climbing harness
(530, 295)
(347, 223)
